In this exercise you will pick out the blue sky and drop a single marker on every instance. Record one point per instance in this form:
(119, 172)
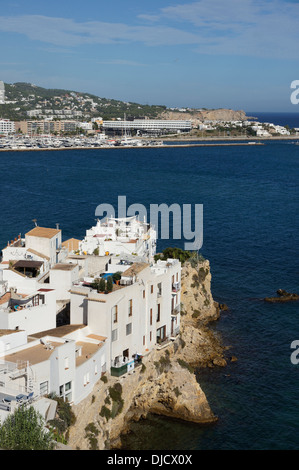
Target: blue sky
(239, 54)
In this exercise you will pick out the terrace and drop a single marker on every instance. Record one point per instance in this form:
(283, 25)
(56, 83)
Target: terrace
(17, 385)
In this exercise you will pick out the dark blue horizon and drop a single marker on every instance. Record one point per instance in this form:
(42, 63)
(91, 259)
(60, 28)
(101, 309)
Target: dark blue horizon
(277, 118)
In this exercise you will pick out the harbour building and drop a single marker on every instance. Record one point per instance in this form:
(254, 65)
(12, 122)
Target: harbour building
(148, 126)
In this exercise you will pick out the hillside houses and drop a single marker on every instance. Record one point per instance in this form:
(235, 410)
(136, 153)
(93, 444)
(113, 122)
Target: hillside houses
(61, 330)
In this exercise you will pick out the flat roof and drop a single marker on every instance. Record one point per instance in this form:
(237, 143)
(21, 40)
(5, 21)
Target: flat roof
(64, 266)
(28, 264)
(4, 332)
(87, 350)
(60, 331)
(43, 232)
(98, 337)
(134, 269)
(33, 354)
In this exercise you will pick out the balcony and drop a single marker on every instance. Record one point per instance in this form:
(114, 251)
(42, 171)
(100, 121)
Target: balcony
(176, 310)
(163, 343)
(174, 333)
(176, 286)
(122, 367)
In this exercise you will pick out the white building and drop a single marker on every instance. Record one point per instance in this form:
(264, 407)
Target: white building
(149, 125)
(2, 92)
(32, 312)
(120, 236)
(7, 126)
(141, 311)
(87, 126)
(46, 241)
(65, 361)
(106, 332)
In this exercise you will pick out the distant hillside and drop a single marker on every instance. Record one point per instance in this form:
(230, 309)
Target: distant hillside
(27, 101)
(22, 98)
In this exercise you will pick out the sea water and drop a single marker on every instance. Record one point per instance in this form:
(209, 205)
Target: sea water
(250, 203)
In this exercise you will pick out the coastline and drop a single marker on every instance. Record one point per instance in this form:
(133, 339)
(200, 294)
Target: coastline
(170, 143)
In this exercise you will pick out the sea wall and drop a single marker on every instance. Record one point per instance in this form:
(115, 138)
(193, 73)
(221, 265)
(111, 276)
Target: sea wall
(165, 384)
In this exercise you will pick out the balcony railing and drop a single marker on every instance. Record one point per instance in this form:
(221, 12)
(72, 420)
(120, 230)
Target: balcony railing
(176, 286)
(175, 332)
(176, 309)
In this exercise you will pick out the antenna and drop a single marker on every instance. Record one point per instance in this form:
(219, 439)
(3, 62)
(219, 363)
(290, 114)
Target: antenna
(35, 221)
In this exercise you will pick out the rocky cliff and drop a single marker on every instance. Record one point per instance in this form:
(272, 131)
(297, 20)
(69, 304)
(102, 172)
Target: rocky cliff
(165, 384)
(206, 115)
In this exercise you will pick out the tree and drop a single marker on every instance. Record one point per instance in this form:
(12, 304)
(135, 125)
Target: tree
(102, 285)
(24, 430)
(109, 284)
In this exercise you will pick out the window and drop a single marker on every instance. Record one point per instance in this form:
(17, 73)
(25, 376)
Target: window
(151, 316)
(65, 391)
(114, 335)
(128, 329)
(44, 388)
(161, 334)
(68, 386)
(158, 312)
(86, 379)
(66, 363)
(144, 294)
(150, 336)
(152, 289)
(114, 314)
(143, 340)
(159, 286)
(130, 307)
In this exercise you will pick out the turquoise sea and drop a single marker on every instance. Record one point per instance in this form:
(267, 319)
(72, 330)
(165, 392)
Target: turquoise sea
(250, 198)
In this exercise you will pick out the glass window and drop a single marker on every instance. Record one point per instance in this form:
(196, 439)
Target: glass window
(68, 386)
(114, 335)
(114, 314)
(44, 388)
(130, 307)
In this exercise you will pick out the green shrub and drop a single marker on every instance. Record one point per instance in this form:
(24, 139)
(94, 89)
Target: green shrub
(105, 412)
(24, 430)
(109, 284)
(91, 434)
(185, 365)
(102, 285)
(115, 393)
(195, 314)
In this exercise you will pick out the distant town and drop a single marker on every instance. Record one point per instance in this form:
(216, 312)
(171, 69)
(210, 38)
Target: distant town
(31, 115)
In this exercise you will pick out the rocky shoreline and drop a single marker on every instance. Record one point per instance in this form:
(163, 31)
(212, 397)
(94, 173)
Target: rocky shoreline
(282, 296)
(165, 384)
